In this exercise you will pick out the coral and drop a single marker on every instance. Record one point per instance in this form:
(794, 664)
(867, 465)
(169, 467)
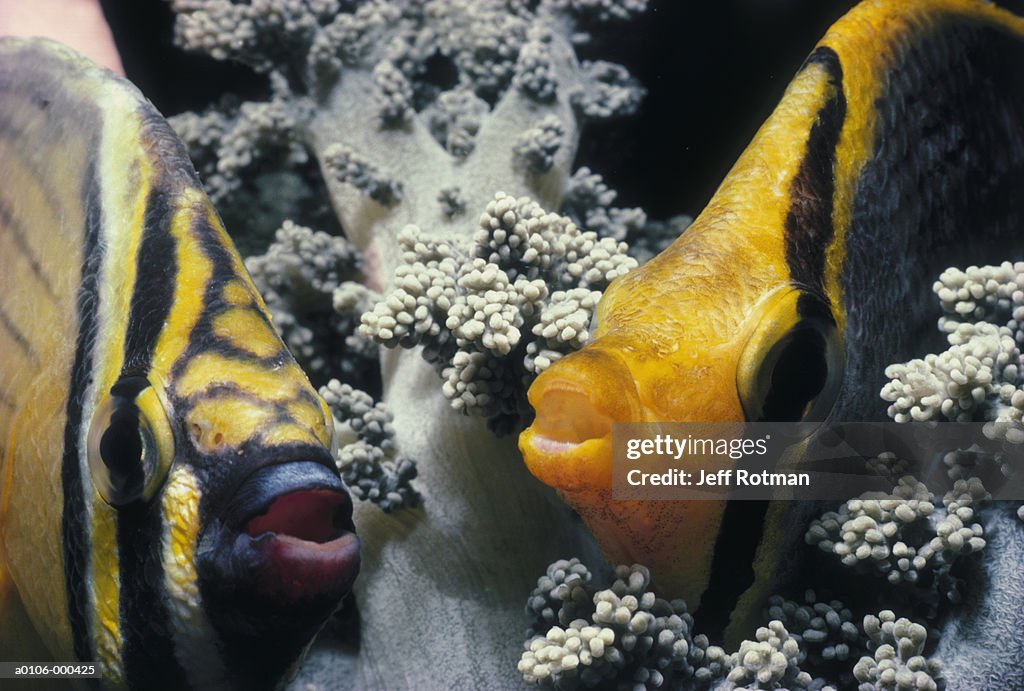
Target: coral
(561, 596)
(454, 120)
(588, 202)
(537, 146)
(229, 140)
(309, 282)
(349, 167)
(452, 202)
(366, 453)
(769, 662)
(608, 92)
(898, 662)
(624, 635)
(978, 377)
(604, 10)
(902, 535)
(487, 318)
(824, 631)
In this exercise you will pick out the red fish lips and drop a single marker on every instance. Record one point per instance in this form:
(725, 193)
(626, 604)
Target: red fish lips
(285, 544)
(309, 547)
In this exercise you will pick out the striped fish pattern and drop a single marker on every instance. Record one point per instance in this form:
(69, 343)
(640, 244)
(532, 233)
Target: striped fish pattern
(169, 507)
(896, 151)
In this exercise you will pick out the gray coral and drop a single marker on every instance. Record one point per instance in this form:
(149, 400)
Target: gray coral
(589, 202)
(229, 141)
(537, 147)
(367, 454)
(308, 280)
(903, 536)
(487, 318)
(898, 662)
(824, 631)
(624, 635)
(608, 91)
(348, 167)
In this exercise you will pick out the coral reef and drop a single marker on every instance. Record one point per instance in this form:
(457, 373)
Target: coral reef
(491, 318)
(366, 452)
(624, 636)
(903, 536)
(897, 662)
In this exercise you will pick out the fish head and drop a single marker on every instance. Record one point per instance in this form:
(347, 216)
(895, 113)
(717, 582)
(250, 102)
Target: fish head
(680, 340)
(214, 469)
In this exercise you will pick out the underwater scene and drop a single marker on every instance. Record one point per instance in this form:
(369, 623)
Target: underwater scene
(511, 344)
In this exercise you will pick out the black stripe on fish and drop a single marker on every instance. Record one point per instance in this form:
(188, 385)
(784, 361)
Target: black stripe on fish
(222, 271)
(156, 272)
(146, 633)
(74, 521)
(732, 571)
(809, 228)
(147, 637)
(941, 188)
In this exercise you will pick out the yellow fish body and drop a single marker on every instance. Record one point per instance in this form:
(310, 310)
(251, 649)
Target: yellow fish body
(897, 150)
(169, 506)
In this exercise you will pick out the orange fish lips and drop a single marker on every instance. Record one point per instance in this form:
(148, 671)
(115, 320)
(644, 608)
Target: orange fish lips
(577, 400)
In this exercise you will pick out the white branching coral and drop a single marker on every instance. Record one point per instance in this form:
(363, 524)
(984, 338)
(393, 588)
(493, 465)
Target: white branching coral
(903, 536)
(623, 636)
(898, 663)
(309, 281)
(487, 318)
(536, 147)
(771, 661)
(366, 453)
(825, 631)
(979, 377)
(350, 168)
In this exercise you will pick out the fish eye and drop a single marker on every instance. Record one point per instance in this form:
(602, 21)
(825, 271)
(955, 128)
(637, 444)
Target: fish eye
(130, 445)
(792, 367)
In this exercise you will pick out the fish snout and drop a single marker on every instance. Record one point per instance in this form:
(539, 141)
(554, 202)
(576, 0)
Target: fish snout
(577, 400)
(280, 558)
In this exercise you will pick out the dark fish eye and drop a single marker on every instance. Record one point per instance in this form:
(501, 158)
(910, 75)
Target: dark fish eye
(798, 376)
(792, 367)
(121, 450)
(130, 445)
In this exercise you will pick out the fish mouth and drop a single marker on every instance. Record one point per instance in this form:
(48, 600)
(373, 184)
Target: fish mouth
(577, 400)
(284, 552)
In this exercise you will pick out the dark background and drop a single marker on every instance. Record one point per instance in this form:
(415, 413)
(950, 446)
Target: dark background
(714, 71)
